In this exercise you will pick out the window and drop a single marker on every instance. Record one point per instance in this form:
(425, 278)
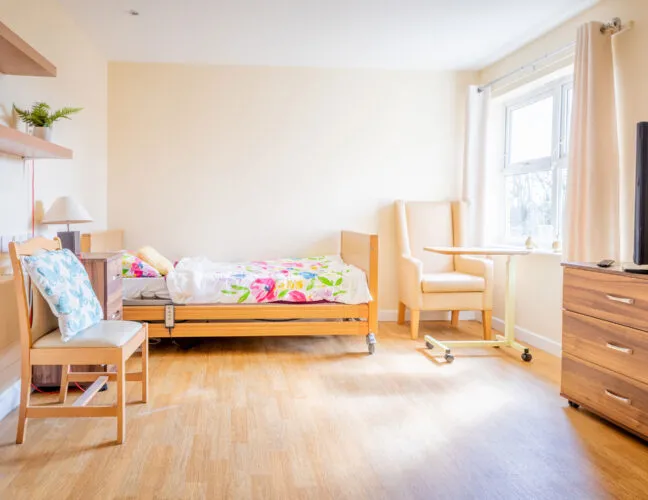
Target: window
(535, 169)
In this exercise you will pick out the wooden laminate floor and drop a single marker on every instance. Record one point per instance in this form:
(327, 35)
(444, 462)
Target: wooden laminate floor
(318, 418)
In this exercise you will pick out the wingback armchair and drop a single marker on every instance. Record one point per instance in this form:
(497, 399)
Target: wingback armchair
(433, 282)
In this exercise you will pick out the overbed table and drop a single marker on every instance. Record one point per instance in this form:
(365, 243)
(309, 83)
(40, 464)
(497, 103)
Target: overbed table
(508, 340)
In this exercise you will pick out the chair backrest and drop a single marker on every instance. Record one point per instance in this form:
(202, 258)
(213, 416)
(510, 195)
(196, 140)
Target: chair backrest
(43, 320)
(429, 223)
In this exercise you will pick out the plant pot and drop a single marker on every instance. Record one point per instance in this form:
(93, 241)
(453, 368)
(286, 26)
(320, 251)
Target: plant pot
(44, 133)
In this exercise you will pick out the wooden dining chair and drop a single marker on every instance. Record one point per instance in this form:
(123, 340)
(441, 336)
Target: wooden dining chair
(106, 343)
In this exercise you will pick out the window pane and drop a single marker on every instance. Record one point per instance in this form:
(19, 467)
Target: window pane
(531, 131)
(529, 207)
(569, 95)
(563, 196)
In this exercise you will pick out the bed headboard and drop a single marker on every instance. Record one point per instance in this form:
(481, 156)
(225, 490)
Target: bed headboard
(103, 241)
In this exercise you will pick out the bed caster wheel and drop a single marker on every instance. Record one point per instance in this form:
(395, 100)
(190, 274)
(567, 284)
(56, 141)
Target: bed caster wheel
(429, 345)
(526, 356)
(574, 405)
(449, 358)
(371, 343)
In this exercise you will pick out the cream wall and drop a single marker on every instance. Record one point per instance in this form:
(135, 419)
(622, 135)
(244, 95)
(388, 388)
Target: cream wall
(81, 81)
(254, 163)
(539, 277)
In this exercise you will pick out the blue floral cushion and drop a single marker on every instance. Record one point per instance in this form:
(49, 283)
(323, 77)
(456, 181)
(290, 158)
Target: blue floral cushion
(64, 283)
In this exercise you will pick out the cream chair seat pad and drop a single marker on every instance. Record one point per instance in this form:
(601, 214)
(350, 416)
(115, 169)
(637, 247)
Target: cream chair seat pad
(103, 334)
(452, 282)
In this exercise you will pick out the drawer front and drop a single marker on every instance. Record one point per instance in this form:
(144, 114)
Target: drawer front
(113, 276)
(114, 308)
(614, 396)
(618, 348)
(115, 315)
(620, 299)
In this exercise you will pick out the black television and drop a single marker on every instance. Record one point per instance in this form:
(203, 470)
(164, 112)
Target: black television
(640, 254)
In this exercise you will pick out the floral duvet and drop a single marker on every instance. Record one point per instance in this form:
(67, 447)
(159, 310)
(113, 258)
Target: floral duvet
(314, 279)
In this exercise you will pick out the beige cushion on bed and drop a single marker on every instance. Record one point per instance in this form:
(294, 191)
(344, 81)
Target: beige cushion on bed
(151, 256)
(452, 282)
(103, 334)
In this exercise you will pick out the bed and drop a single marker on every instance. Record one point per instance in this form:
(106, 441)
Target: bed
(169, 319)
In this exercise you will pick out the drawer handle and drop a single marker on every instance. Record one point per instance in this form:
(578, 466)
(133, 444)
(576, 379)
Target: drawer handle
(616, 397)
(624, 350)
(623, 300)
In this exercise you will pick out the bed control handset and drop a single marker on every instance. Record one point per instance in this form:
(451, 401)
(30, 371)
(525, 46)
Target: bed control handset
(169, 316)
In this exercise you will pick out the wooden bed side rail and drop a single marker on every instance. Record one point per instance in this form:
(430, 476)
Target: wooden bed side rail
(361, 250)
(111, 240)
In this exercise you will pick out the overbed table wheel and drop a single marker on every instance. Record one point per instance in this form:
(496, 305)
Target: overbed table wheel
(371, 343)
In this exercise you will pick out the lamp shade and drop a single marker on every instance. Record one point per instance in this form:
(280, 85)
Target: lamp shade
(66, 210)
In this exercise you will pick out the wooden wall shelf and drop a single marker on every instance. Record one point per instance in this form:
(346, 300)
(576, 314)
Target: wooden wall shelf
(16, 143)
(17, 57)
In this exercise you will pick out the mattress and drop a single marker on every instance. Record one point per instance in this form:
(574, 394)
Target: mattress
(200, 281)
(145, 289)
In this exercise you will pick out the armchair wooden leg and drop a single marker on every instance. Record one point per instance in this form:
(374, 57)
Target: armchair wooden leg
(401, 313)
(487, 320)
(121, 402)
(454, 319)
(65, 370)
(414, 323)
(25, 391)
(145, 355)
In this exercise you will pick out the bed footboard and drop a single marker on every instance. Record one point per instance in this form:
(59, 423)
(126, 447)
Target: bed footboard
(361, 250)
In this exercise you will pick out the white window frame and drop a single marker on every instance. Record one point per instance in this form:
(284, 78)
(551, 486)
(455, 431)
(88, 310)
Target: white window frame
(556, 163)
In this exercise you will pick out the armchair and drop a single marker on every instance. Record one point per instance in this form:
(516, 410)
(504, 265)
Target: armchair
(435, 282)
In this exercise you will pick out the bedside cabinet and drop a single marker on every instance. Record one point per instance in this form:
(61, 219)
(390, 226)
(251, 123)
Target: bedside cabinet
(104, 271)
(605, 344)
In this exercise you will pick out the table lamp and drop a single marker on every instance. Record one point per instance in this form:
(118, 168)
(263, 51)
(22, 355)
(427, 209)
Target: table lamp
(66, 210)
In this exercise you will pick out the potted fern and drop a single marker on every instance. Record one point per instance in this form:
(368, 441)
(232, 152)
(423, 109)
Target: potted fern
(41, 117)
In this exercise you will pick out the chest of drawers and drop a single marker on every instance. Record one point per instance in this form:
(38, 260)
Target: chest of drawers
(105, 271)
(605, 344)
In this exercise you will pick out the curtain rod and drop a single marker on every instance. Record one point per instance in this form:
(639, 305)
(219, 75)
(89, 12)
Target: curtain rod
(614, 26)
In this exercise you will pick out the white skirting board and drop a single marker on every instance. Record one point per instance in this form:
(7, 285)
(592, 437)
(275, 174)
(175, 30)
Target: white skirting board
(531, 338)
(391, 315)
(9, 399)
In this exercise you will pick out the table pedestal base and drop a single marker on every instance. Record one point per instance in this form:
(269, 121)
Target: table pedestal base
(506, 340)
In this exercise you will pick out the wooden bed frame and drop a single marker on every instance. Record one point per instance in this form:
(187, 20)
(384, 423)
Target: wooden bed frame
(243, 320)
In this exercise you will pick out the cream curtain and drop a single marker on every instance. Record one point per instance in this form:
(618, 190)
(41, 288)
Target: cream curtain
(474, 172)
(592, 202)
(632, 107)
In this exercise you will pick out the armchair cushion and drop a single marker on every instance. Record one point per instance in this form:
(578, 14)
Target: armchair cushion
(452, 282)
